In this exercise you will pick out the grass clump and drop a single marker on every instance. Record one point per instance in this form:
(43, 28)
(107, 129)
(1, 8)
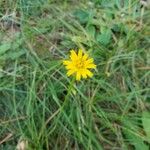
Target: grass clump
(42, 107)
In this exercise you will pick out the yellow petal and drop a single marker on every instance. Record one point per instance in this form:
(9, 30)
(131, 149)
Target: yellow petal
(70, 72)
(80, 54)
(78, 76)
(89, 61)
(85, 57)
(73, 55)
(70, 66)
(66, 62)
(89, 73)
(84, 75)
(91, 66)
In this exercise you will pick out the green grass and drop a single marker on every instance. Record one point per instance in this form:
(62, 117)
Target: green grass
(41, 105)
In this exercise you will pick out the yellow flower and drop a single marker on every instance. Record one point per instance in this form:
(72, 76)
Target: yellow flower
(79, 65)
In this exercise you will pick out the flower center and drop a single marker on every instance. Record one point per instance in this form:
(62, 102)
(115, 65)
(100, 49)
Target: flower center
(80, 64)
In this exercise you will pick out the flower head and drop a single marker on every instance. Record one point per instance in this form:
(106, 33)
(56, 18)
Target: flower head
(79, 65)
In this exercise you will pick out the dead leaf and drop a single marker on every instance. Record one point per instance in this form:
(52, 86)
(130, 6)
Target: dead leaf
(22, 145)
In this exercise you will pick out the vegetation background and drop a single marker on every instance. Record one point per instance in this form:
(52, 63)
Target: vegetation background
(38, 109)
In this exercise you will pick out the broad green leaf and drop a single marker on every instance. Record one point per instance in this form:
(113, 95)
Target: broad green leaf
(12, 55)
(82, 15)
(91, 30)
(116, 27)
(131, 133)
(146, 123)
(108, 3)
(4, 47)
(17, 54)
(136, 141)
(104, 37)
(17, 43)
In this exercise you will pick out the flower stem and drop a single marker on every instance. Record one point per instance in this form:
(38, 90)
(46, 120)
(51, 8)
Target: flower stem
(70, 88)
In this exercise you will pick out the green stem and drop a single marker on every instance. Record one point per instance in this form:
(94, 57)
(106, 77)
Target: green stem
(70, 88)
